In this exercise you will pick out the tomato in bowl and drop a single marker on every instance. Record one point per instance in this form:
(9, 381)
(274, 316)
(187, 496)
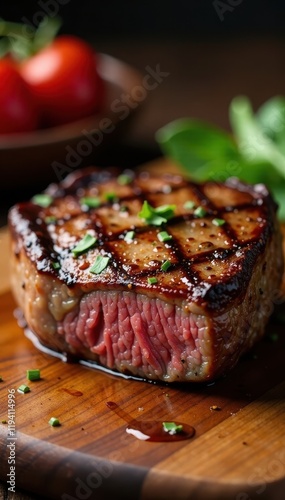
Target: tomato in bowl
(72, 110)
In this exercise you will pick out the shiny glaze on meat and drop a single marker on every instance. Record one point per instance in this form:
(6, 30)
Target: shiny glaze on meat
(210, 265)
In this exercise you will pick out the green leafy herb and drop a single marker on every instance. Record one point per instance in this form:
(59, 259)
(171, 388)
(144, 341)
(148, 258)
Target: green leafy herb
(24, 389)
(43, 200)
(200, 212)
(218, 222)
(254, 151)
(90, 201)
(156, 216)
(33, 374)
(84, 244)
(3, 421)
(99, 265)
(152, 280)
(164, 236)
(198, 147)
(254, 145)
(165, 265)
(172, 428)
(129, 236)
(124, 179)
(271, 118)
(54, 422)
(188, 205)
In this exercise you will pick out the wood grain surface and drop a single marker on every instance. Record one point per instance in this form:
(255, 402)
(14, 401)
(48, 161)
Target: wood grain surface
(237, 453)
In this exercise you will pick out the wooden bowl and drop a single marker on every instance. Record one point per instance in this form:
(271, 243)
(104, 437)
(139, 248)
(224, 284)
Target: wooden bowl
(47, 155)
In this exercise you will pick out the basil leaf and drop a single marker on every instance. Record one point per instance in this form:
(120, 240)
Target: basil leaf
(278, 195)
(271, 118)
(254, 145)
(198, 147)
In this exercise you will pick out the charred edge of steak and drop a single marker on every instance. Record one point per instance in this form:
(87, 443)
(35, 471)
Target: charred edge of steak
(30, 231)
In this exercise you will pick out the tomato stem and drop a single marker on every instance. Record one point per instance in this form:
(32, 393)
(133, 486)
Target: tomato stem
(8, 28)
(22, 41)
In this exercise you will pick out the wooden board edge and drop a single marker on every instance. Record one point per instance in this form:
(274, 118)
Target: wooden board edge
(68, 474)
(161, 485)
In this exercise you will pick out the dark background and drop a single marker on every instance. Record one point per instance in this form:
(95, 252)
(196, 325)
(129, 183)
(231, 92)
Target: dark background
(156, 19)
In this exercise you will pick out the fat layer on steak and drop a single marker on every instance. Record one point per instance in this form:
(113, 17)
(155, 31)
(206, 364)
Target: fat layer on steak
(208, 308)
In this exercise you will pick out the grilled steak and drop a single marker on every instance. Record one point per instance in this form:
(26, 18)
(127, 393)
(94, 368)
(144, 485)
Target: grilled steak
(153, 276)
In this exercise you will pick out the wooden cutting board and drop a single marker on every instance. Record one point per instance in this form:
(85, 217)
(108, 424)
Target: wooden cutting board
(238, 451)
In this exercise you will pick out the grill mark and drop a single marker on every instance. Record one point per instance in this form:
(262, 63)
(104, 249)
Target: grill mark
(31, 213)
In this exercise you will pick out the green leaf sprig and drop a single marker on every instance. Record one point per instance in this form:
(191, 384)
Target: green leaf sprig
(254, 152)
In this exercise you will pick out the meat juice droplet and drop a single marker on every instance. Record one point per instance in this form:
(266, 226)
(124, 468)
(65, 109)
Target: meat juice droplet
(151, 430)
(73, 392)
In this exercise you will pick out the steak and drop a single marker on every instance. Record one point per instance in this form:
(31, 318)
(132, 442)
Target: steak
(153, 276)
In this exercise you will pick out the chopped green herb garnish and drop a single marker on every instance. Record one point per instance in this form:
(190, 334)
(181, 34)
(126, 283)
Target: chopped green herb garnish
(99, 265)
(200, 212)
(172, 428)
(83, 245)
(152, 280)
(90, 201)
(3, 421)
(33, 374)
(188, 205)
(55, 265)
(156, 216)
(50, 219)
(129, 236)
(124, 179)
(218, 222)
(164, 236)
(43, 200)
(24, 389)
(166, 265)
(111, 197)
(54, 422)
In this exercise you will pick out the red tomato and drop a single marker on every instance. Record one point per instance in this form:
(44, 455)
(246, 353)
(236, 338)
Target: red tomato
(18, 111)
(63, 77)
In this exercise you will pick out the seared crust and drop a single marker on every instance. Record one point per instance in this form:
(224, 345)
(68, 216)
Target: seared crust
(211, 266)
